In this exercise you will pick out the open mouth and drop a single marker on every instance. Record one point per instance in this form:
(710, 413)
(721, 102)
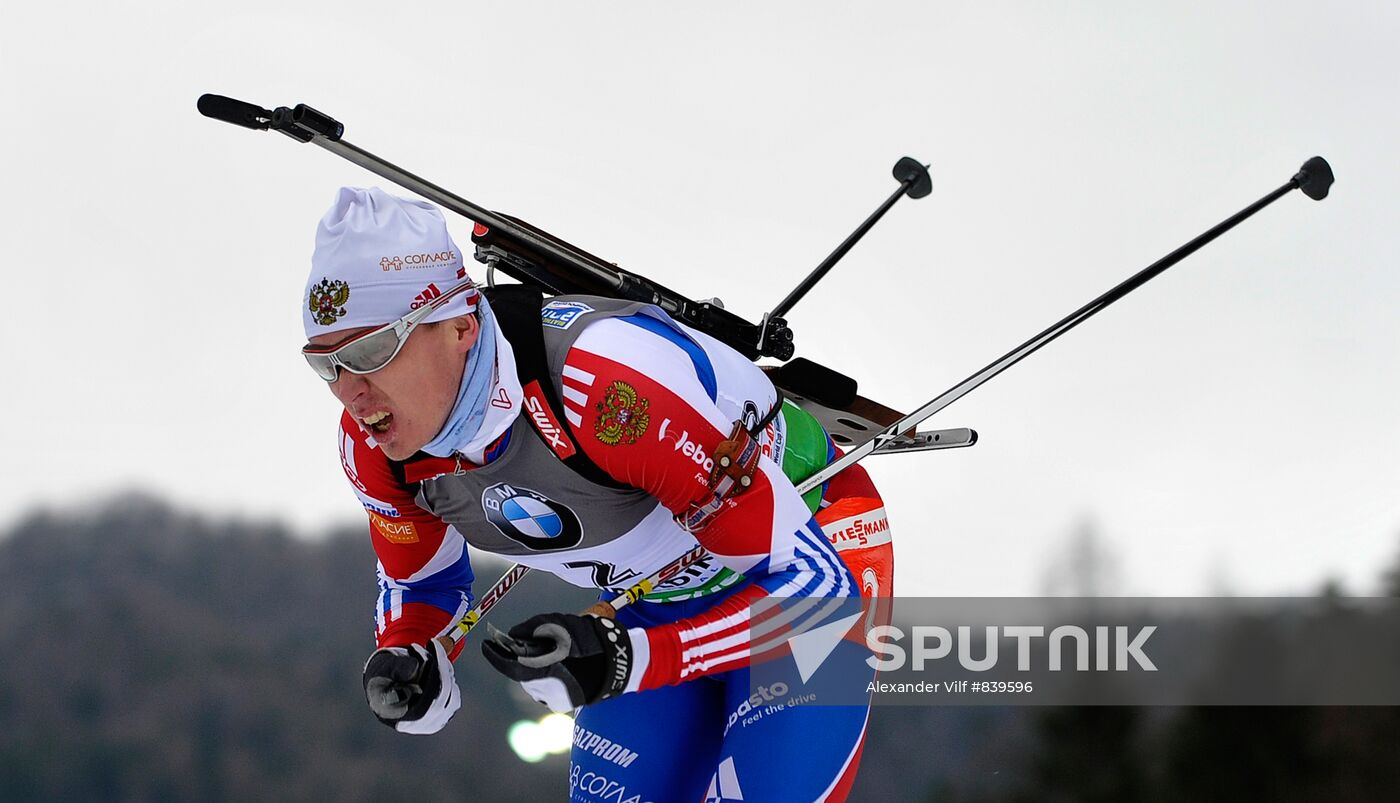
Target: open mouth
(379, 422)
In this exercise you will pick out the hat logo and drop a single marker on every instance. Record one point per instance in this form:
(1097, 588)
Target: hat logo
(433, 260)
(327, 301)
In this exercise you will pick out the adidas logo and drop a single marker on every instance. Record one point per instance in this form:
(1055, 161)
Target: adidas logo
(429, 293)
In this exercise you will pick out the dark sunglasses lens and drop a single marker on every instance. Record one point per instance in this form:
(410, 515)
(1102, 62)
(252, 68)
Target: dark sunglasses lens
(322, 365)
(370, 353)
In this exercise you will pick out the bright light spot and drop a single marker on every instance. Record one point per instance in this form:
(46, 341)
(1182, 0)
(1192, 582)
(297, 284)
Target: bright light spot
(532, 741)
(557, 733)
(523, 738)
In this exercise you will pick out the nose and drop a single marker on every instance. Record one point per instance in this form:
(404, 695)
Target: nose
(347, 386)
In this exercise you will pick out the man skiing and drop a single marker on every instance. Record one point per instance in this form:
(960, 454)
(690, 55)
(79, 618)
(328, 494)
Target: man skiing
(580, 437)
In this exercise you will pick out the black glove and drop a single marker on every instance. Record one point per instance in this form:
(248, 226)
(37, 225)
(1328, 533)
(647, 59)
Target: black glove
(411, 689)
(562, 659)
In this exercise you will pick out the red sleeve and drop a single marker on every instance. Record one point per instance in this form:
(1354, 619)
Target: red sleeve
(424, 573)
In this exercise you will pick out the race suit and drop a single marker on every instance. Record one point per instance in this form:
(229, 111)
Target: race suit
(648, 400)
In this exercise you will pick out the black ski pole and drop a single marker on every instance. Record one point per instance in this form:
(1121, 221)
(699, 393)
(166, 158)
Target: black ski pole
(913, 181)
(1314, 179)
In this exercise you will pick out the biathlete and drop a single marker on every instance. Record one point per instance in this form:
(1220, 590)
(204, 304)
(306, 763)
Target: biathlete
(577, 435)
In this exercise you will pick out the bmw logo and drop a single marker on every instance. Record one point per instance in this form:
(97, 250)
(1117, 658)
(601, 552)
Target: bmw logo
(530, 518)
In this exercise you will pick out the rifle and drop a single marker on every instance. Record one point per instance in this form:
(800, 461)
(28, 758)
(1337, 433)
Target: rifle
(531, 255)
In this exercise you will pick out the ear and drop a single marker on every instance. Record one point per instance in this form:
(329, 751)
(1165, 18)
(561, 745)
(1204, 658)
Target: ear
(465, 329)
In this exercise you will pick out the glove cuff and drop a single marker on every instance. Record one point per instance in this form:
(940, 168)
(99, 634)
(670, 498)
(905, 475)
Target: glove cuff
(411, 688)
(443, 705)
(617, 642)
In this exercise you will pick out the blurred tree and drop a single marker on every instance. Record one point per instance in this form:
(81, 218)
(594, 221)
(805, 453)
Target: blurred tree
(1085, 754)
(154, 655)
(1390, 579)
(1231, 754)
(151, 654)
(1085, 567)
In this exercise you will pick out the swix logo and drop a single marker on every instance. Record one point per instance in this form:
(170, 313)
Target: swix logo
(546, 423)
(507, 581)
(686, 446)
(429, 293)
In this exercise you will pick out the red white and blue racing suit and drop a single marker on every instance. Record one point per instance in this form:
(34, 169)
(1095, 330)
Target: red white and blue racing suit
(686, 730)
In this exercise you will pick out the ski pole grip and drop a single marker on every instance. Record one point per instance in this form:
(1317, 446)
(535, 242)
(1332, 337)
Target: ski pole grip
(601, 609)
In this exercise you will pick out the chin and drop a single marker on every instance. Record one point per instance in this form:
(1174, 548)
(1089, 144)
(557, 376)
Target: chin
(398, 451)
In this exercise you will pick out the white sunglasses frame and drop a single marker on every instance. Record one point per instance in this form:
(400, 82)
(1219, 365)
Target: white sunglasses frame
(324, 362)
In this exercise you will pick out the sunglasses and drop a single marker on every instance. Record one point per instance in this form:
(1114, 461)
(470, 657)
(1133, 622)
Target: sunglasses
(369, 351)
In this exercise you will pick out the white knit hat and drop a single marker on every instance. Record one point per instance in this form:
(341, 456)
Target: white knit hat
(377, 258)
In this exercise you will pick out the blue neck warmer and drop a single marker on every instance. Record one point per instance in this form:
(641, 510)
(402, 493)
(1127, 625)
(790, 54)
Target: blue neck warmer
(465, 421)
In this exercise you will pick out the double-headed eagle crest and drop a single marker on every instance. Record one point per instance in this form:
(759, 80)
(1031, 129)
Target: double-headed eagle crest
(622, 415)
(327, 301)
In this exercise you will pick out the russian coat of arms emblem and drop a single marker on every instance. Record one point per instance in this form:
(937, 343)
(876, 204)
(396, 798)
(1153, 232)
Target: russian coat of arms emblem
(327, 301)
(623, 416)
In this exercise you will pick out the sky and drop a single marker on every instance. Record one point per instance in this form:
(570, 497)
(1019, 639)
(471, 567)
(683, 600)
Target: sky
(1232, 426)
